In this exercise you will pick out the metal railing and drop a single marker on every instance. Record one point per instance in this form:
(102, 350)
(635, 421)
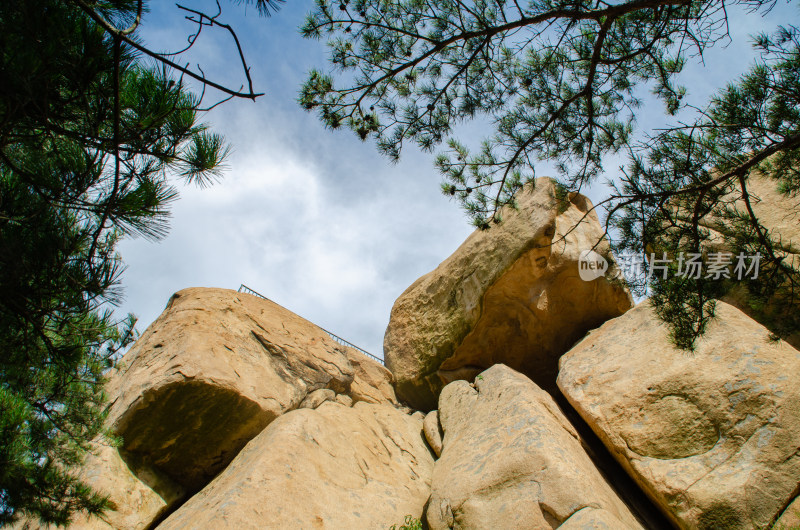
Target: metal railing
(245, 289)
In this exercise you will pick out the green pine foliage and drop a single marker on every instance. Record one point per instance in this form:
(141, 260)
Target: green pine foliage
(560, 81)
(88, 134)
(557, 79)
(687, 192)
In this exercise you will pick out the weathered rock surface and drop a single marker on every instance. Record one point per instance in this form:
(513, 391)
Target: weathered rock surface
(433, 432)
(511, 294)
(317, 398)
(780, 216)
(140, 493)
(335, 467)
(345, 400)
(210, 373)
(372, 382)
(712, 436)
(790, 518)
(776, 211)
(217, 367)
(511, 460)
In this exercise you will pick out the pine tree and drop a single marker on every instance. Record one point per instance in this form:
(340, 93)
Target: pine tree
(559, 81)
(688, 193)
(89, 136)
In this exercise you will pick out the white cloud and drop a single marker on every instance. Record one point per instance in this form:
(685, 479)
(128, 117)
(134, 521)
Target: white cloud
(315, 220)
(323, 226)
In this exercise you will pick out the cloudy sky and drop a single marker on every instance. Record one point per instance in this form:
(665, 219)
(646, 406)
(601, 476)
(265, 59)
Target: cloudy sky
(317, 220)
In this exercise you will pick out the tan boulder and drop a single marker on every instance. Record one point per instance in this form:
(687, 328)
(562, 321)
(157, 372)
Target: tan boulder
(364, 467)
(511, 460)
(210, 373)
(372, 382)
(344, 399)
(777, 212)
(711, 436)
(433, 432)
(317, 398)
(207, 376)
(590, 518)
(511, 294)
(780, 215)
(140, 494)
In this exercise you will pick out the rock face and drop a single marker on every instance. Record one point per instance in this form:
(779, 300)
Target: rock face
(511, 460)
(776, 211)
(511, 294)
(790, 518)
(215, 369)
(236, 413)
(780, 215)
(140, 494)
(372, 382)
(711, 436)
(333, 467)
(433, 432)
(317, 398)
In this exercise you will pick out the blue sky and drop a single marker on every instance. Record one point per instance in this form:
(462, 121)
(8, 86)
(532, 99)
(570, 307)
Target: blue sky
(317, 220)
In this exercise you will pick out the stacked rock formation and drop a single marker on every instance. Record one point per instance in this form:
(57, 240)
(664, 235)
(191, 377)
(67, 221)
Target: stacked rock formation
(199, 394)
(709, 437)
(236, 413)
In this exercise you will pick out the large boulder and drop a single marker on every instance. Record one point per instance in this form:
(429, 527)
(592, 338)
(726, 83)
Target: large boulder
(778, 212)
(210, 373)
(511, 294)
(215, 369)
(511, 460)
(333, 467)
(711, 436)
